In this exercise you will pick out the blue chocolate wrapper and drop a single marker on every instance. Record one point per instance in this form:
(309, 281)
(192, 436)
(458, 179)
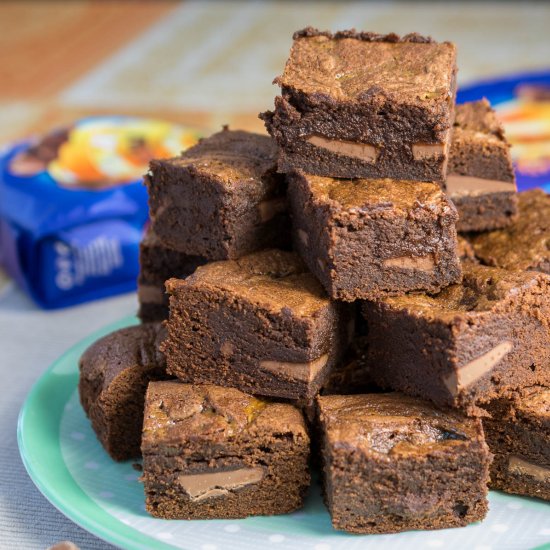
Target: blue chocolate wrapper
(73, 206)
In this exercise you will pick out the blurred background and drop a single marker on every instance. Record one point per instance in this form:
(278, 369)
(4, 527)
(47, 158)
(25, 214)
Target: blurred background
(208, 63)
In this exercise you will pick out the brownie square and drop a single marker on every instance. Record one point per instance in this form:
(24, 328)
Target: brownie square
(486, 338)
(157, 264)
(362, 237)
(114, 373)
(213, 452)
(518, 434)
(524, 245)
(221, 199)
(480, 178)
(395, 463)
(262, 324)
(365, 105)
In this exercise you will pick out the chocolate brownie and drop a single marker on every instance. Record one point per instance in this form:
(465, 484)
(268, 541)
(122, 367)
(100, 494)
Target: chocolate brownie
(114, 373)
(518, 434)
(359, 104)
(157, 264)
(361, 238)
(480, 178)
(395, 463)
(221, 199)
(486, 338)
(352, 374)
(524, 245)
(466, 250)
(262, 324)
(213, 452)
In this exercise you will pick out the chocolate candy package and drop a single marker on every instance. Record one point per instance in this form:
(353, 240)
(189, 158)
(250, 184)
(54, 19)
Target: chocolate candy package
(73, 206)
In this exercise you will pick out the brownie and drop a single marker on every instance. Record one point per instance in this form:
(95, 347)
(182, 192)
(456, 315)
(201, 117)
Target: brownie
(352, 374)
(360, 104)
(157, 264)
(262, 324)
(466, 250)
(518, 434)
(524, 245)
(480, 178)
(362, 237)
(220, 199)
(114, 373)
(395, 463)
(214, 452)
(486, 338)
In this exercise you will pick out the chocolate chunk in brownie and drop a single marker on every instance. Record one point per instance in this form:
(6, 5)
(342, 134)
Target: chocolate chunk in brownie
(213, 452)
(157, 264)
(395, 463)
(361, 238)
(480, 175)
(221, 199)
(486, 338)
(524, 245)
(365, 105)
(262, 324)
(518, 434)
(114, 373)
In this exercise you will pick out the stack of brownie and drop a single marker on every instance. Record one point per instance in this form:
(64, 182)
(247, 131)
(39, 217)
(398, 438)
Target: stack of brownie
(322, 302)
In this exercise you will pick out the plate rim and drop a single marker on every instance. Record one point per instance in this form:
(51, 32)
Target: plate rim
(84, 512)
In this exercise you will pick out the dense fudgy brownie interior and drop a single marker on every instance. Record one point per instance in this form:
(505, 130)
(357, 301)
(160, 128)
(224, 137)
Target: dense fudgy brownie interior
(467, 345)
(114, 373)
(365, 105)
(395, 463)
(221, 198)
(524, 245)
(262, 323)
(364, 238)
(480, 175)
(518, 434)
(217, 452)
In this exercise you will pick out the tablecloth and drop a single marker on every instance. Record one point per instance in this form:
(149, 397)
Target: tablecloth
(30, 340)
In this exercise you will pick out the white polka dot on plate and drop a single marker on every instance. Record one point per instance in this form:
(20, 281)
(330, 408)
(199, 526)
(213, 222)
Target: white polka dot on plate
(232, 528)
(106, 494)
(165, 535)
(77, 436)
(437, 543)
(131, 477)
(499, 528)
(322, 546)
(68, 406)
(91, 465)
(276, 538)
(515, 505)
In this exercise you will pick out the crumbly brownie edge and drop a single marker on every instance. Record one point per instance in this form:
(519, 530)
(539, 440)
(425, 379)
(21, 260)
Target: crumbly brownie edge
(309, 32)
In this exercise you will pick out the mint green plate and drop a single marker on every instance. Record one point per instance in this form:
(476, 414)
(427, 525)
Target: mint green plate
(67, 464)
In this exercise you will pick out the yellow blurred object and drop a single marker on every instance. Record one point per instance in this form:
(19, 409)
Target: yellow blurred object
(104, 151)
